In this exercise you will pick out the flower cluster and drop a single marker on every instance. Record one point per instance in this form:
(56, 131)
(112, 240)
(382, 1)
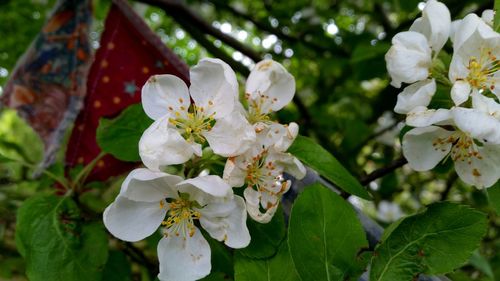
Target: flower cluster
(195, 129)
(452, 105)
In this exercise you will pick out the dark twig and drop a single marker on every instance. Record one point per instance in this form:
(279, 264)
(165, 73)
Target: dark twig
(383, 171)
(178, 10)
(138, 256)
(450, 182)
(264, 26)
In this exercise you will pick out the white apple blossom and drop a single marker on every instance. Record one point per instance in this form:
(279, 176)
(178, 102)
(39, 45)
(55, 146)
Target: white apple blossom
(181, 126)
(261, 169)
(269, 88)
(410, 58)
(470, 137)
(149, 199)
(475, 64)
(434, 24)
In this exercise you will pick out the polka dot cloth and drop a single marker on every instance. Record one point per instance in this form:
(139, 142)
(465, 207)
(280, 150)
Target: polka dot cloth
(129, 55)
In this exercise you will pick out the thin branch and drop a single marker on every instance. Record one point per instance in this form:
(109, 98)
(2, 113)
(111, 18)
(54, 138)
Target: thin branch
(400, 162)
(264, 26)
(179, 10)
(138, 256)
(210, 47)
(450, 182)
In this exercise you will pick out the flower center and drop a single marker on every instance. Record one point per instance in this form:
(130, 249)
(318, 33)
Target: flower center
(482, 71)
(264, 176)
(193, 126)
(180, 217)
(463, 147)
(256, 109)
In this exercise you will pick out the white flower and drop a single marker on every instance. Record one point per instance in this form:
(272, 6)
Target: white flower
(269, 88)
(261, 169)
(409, 59)
(150, 199)
(475, 63)
(181, 127)
(434, 24)
(472, 141)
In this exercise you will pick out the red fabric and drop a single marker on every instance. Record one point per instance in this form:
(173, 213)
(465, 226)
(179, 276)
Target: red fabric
(129, 54)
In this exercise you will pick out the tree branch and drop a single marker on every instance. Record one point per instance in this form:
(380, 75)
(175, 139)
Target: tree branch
(383, 171)
(178, 10)
(264, 26)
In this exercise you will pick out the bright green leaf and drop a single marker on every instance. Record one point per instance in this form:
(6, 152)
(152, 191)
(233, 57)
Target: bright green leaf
(266, 238)
(427, 242)
(316, 157)
(325, 236)
(56, 244)
(120, 136)
(280, 267)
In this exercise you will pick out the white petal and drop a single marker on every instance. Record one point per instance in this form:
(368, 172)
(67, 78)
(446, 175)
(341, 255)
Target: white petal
(486, 105)
(483, 172)
(184, 259)
(226, 221)
(435, 24)
(233, 174)
(231, 135)
(291, 164)
(278, 136)
(149, 186)
(417, 94)
(487, 16)
(252, 198)
(455, 25)
(164, 94)
(479, 125)
(202, 188)
(409, 58)
(460, 92)
(464, 30)
(132, 221)
(161, 145)
(423, 117)
(214, 87)
(269, 78)
(419, 149)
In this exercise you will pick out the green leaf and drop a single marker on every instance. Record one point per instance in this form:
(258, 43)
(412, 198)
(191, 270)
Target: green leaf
(435, 241)
(221, 258)
(56, 244)
(120, 136)
(316, 157)
(480, 262)
(4, 159)
(266, 238)
(494, 196)
(325, 236)
(280, 267)
(117, 268)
